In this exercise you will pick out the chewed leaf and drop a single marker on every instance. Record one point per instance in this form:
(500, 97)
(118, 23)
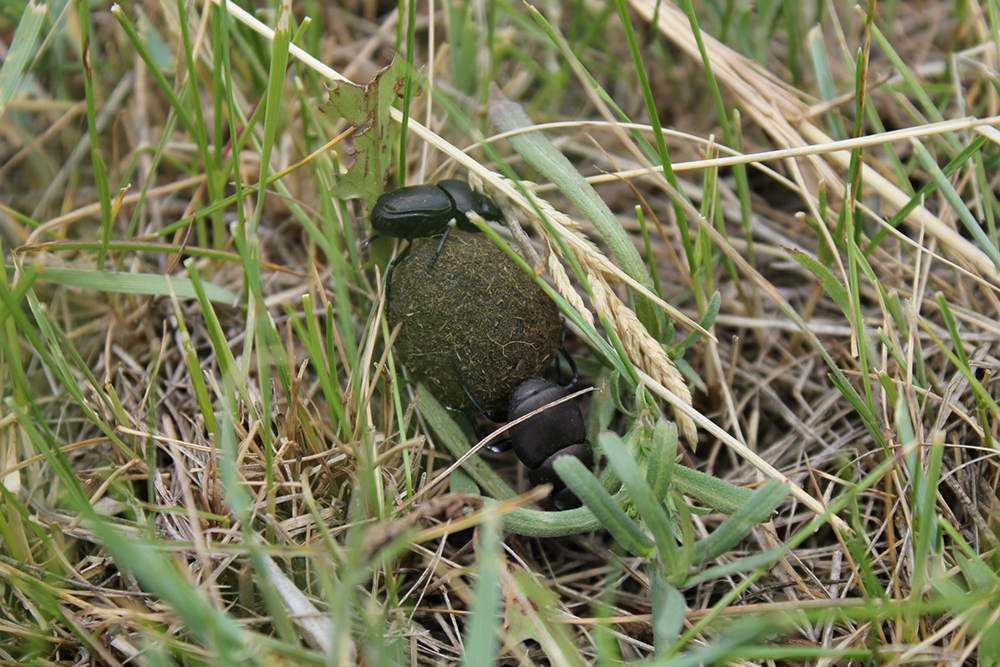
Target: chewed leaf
(367, 107)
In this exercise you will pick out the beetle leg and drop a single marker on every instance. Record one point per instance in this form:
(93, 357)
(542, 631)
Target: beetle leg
(444, 237)
(368, 241)
(388, 271)
(492, 416)
(569, 386)
(500, 445)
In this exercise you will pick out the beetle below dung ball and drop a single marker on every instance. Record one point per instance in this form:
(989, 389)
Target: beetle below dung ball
(556, 432)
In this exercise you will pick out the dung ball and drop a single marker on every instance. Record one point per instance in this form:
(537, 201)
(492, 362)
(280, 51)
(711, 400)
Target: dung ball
(471, 315)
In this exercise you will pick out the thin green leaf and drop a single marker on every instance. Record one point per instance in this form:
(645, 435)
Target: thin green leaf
(925, 537)
(987, 245)
(275, 102)
(21, 52)
(712, 491)
(707, 322)
(758, 510)
(761, 560)
(538, 523)
(589, 490)
(133, 283)
(833, 287)
(662, 458)
(824, 79)
(481, 630)
(668, 612)
(645, 501)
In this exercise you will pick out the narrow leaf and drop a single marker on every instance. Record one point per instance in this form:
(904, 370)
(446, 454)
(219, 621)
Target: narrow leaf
(758, 510)
(133, 283)
(589, 490)
(834, 289)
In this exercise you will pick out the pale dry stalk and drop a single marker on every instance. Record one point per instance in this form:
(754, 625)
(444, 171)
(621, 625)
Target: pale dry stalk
(777, 110)
(644, 350)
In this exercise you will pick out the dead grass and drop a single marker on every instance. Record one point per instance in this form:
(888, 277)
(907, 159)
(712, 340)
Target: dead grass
(327, 557)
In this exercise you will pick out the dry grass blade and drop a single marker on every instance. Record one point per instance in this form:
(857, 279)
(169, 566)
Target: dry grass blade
(240, 472)
(777, 110)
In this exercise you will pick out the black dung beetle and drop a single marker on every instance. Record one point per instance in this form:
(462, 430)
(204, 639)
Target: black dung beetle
(540, 440)
(552, 433)
(419, 211)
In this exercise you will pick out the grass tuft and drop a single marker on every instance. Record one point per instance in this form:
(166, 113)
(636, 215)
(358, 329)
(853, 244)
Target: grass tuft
(770, 230)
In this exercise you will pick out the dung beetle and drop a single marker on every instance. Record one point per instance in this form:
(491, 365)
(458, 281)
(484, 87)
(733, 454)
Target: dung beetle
(552, 433)
(419, 211)
(540, 440)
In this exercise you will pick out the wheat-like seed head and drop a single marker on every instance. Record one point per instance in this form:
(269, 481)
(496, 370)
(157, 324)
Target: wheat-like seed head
(565, 287)
(643, 350)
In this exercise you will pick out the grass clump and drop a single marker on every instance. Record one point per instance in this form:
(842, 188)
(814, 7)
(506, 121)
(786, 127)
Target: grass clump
(774, 227)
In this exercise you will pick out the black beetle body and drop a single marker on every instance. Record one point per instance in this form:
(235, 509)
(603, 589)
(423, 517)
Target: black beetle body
(467, 199)
(419, 211)
(540, 440)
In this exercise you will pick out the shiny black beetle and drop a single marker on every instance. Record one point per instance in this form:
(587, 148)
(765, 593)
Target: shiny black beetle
(418, 211)
(540, 440)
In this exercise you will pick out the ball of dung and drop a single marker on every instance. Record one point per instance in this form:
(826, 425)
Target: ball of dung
(470, 318)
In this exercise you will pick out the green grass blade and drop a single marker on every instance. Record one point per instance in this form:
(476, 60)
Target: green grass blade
(987, 245)
(831, 285)
(824, 79)
(96, 155)
(134, 283)
(589, 490)
(22, 51)
(668, 612)
(758, 510)
(648, 505)
(481, 630)
(662, 458)
(275, 95)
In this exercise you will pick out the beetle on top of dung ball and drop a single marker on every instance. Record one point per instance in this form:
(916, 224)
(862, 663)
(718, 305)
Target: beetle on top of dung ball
(419, 211)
